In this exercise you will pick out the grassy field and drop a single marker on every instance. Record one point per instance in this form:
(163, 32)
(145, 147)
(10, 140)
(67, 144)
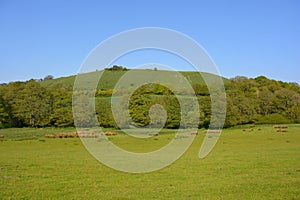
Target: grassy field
(247, 163)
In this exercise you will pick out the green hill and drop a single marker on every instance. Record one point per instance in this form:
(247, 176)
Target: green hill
(110, 78)
(49, 102)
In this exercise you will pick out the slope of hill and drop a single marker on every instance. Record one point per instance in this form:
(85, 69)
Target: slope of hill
(110, 78)
(49, 102)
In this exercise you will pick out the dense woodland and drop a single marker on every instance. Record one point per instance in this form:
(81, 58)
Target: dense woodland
(259, 100)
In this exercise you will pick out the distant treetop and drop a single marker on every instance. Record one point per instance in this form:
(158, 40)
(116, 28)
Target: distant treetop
(48, 77)
(117, 68)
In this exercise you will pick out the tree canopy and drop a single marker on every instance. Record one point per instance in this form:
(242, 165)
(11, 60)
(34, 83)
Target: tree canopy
(249, 100)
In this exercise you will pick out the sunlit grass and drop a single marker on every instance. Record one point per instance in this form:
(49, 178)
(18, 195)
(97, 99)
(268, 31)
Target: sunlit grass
(246, 163)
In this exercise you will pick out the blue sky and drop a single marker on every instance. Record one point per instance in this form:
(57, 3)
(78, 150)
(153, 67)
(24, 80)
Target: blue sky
(249, 38)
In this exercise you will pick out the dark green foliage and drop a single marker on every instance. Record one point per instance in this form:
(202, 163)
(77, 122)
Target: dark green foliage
(116, 68)
(104, 112)
(4, 113)
(201, 89)
(62, 115)
(30, 104)
(48, 77)
(205, 110)
(139, 105)
(172, 106)
(261, 100)
(83, 113)
(49, 103)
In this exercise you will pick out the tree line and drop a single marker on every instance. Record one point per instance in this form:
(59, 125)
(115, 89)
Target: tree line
(249, 100)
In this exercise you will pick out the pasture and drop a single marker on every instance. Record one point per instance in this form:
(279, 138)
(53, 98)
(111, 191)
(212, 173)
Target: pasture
(246, 163)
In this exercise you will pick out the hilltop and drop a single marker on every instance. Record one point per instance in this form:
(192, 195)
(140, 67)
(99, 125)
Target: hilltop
(110, 78)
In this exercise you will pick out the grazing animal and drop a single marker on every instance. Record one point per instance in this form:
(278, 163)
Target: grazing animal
(153, 134)
(49, 136)
(108, 133)
(281, 128)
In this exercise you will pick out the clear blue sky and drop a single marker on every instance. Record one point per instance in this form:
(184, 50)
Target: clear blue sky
(248, 38)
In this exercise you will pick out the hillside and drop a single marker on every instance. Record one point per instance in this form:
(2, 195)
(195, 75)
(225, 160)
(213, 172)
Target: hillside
(49, 102)
(110, 78)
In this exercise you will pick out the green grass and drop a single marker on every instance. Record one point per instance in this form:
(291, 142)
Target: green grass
(250, 164)
(110, 78)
